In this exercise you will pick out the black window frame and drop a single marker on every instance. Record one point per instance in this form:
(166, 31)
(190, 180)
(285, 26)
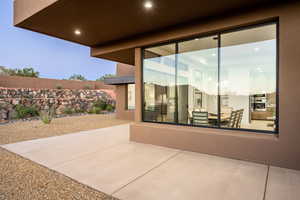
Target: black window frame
(262, 23)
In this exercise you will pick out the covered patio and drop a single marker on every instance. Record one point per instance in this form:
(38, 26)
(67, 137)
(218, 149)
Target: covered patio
(106, 160)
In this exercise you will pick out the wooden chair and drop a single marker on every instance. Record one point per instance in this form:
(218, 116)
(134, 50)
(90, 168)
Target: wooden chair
(239, 118)
(233, 119)
(200, 118)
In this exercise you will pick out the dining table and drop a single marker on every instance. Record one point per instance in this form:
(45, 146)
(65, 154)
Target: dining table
(213, 118)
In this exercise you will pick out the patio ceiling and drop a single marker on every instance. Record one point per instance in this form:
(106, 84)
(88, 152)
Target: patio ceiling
(105, 22)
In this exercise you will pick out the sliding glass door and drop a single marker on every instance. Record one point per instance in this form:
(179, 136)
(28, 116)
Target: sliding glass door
(226, 80)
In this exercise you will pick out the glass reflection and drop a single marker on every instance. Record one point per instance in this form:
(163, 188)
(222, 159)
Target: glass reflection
(248, 77)
(159, 84)
(197, 80)
(226, 80)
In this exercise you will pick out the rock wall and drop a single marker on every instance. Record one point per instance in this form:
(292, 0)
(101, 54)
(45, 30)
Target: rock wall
(77, 100)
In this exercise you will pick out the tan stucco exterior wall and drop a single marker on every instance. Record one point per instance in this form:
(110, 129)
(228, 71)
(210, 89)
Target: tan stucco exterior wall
(41, 83)
(284, 150)
(121, 93)
(121, 109)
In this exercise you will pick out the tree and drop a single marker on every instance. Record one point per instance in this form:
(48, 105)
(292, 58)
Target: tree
(26, 72)
(105, 76)
(77, 77)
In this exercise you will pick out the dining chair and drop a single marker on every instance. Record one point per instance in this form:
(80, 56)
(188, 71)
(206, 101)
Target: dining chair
(232, 119)
(239, 118)
(200, 118)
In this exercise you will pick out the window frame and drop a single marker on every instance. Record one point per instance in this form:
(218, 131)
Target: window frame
(274, 21)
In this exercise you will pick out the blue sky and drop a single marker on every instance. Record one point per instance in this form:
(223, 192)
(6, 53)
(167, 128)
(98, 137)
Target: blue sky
(52, 57)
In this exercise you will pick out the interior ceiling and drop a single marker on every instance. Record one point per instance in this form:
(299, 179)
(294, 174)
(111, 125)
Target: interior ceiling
(252, 35)
(104, 21)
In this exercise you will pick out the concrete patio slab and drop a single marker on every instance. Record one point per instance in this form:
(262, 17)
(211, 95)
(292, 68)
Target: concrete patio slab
(283, 184)
(196, 176)
(113, 168)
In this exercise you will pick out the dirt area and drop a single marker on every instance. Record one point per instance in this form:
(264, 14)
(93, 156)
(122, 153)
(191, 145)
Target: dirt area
(24, 179)
(21, 131)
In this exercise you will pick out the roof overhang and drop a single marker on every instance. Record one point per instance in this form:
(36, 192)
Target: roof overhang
(121, 80)
(103, 24)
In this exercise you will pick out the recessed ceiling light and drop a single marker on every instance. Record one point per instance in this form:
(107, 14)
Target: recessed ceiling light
(77, 32)
(148, 4)
(256, 49)
(197, 39)
(214, 54)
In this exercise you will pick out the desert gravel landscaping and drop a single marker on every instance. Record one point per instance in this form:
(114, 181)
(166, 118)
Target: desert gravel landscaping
(23, 179)
(21, 131)
(26, 180)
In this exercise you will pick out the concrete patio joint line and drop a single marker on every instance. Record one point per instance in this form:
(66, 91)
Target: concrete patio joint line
(58, 164)
(147, 172)
(266, 183)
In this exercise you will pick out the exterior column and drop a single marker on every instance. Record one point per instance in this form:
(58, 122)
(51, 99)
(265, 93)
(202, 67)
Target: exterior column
(138, 85)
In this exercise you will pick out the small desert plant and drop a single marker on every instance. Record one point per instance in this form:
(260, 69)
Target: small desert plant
(47, 115)
(26, 111)
(59, 87)
(87, 87)
(110, 108)
(101, 104)
(79, 110)
(68, 111)
(96, 110)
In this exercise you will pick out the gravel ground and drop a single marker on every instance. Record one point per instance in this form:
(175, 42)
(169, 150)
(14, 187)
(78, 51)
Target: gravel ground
(21, 131)
(22, 179)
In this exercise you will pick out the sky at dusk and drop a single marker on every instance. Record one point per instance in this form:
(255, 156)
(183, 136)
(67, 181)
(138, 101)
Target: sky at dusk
(52, 57)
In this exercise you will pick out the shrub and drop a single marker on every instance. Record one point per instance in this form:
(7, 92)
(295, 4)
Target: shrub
(101, 104)
(27, 72)
(96, 110)
(77, 77)
(26, 111)
(87, 87)
(79, 111)
(102, 78)
(110, 108)
(68, 111)
(47, 115)
(59, 87)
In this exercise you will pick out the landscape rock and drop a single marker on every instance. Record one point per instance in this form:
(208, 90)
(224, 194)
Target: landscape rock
(59, 99)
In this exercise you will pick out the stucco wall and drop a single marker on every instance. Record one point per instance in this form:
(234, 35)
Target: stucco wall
(121, 93)
(284, 150)
(27, 82)
(26, 8)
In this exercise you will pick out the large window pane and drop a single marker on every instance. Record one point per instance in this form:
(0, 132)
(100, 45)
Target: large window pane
(159, 84)
(228, 80)
(248, 78)
(197, 81)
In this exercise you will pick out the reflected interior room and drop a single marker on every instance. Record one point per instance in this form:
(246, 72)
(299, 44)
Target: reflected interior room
(226, 80)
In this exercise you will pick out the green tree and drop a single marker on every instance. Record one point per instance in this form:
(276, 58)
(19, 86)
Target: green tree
(105, 76)
(77, 77)
(26, 72)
